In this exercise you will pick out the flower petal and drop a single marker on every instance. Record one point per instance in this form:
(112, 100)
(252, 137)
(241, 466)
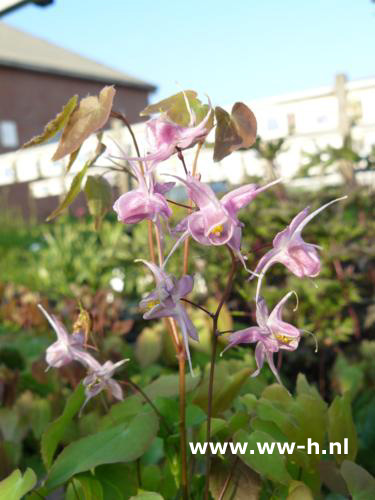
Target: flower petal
(242, 196)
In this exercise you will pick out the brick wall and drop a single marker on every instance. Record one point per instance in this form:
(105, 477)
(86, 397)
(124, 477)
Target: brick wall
(31, 98)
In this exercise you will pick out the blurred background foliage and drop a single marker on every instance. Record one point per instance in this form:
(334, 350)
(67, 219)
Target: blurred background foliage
(67, 262)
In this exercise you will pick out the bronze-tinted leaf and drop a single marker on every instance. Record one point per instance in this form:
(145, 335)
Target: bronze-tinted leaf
(72, 159)
(234, 131)
(90, 116)
(55, 125)
(176, 110)
(245, 123)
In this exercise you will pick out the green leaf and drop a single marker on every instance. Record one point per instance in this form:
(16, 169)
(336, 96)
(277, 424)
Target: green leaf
(226, 388)
(234, 131)
(40, 416)
(87, 487)
(224, 396)
(176, 110)
(299, 491)
(194, 415)
(165, 386)
(75, 187)
(55, 125)
(148, 346)
(15, 486)
(72, 159)
(360, 483)
(147, 495)
(55, 431)
(123, 443)
(118, 481)
(272, 466)
(98, 193)
(341, 426)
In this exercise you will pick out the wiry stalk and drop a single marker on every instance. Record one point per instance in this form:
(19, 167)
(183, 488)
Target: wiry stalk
(215, 336)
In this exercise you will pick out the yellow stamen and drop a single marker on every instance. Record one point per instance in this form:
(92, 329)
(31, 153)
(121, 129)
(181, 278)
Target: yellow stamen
(217, 230)
(283, 339)
(151, 304)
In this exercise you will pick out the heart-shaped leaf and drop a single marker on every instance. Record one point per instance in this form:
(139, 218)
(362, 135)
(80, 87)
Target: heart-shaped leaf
(91, 115)
(176, 109)
(15, 486)
(55, 125)
(122, 443)
(234, 131)
(55, 431)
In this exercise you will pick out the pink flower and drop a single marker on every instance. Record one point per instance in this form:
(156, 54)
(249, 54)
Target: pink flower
(100, 378)
(301, 258)
(164, 302)
(271, 335)
(165, 137)
(67, 348)
(145, 202)
(216, 221)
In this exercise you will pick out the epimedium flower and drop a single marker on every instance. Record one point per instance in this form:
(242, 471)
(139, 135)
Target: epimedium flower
(67, 348)
(100, 378)
(289, 248)
(216, 222)
(271, 335)
(70, 347)
(147, 201)
(164, 302)
(165, 137)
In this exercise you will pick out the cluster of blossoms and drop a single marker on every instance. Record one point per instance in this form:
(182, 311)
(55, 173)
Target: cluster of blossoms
(71, 347)
(210, 222)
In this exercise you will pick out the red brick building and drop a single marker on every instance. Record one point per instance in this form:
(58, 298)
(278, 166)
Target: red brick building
(38, 77)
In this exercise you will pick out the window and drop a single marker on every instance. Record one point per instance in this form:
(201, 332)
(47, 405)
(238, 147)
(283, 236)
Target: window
(8, 134)
(272, 124)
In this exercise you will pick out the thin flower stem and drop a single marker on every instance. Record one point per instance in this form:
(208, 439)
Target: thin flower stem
(178, 204)
(228, 479)
(215, 337)
(139, 391)
(187, 241)
(158, 244)
(198, 307)
(182, 359)
(151, 242)
(122, 117)
(182, 423)
(181, 157)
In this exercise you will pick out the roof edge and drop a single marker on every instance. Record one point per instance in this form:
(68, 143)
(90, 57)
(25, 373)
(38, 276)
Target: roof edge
(73, 74)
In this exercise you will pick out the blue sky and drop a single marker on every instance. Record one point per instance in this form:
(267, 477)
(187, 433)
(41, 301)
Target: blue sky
(231, 50)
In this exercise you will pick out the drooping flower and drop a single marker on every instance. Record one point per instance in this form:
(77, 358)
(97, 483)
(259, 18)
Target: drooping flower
(301, 258)
(165, 138)
(216, 221)
(100, 378)
(164, 302)
(147, 201)
(67, 348)
(272, 334)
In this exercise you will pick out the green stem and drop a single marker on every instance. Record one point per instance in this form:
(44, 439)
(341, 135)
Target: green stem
(215, 332)
(182, 423)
